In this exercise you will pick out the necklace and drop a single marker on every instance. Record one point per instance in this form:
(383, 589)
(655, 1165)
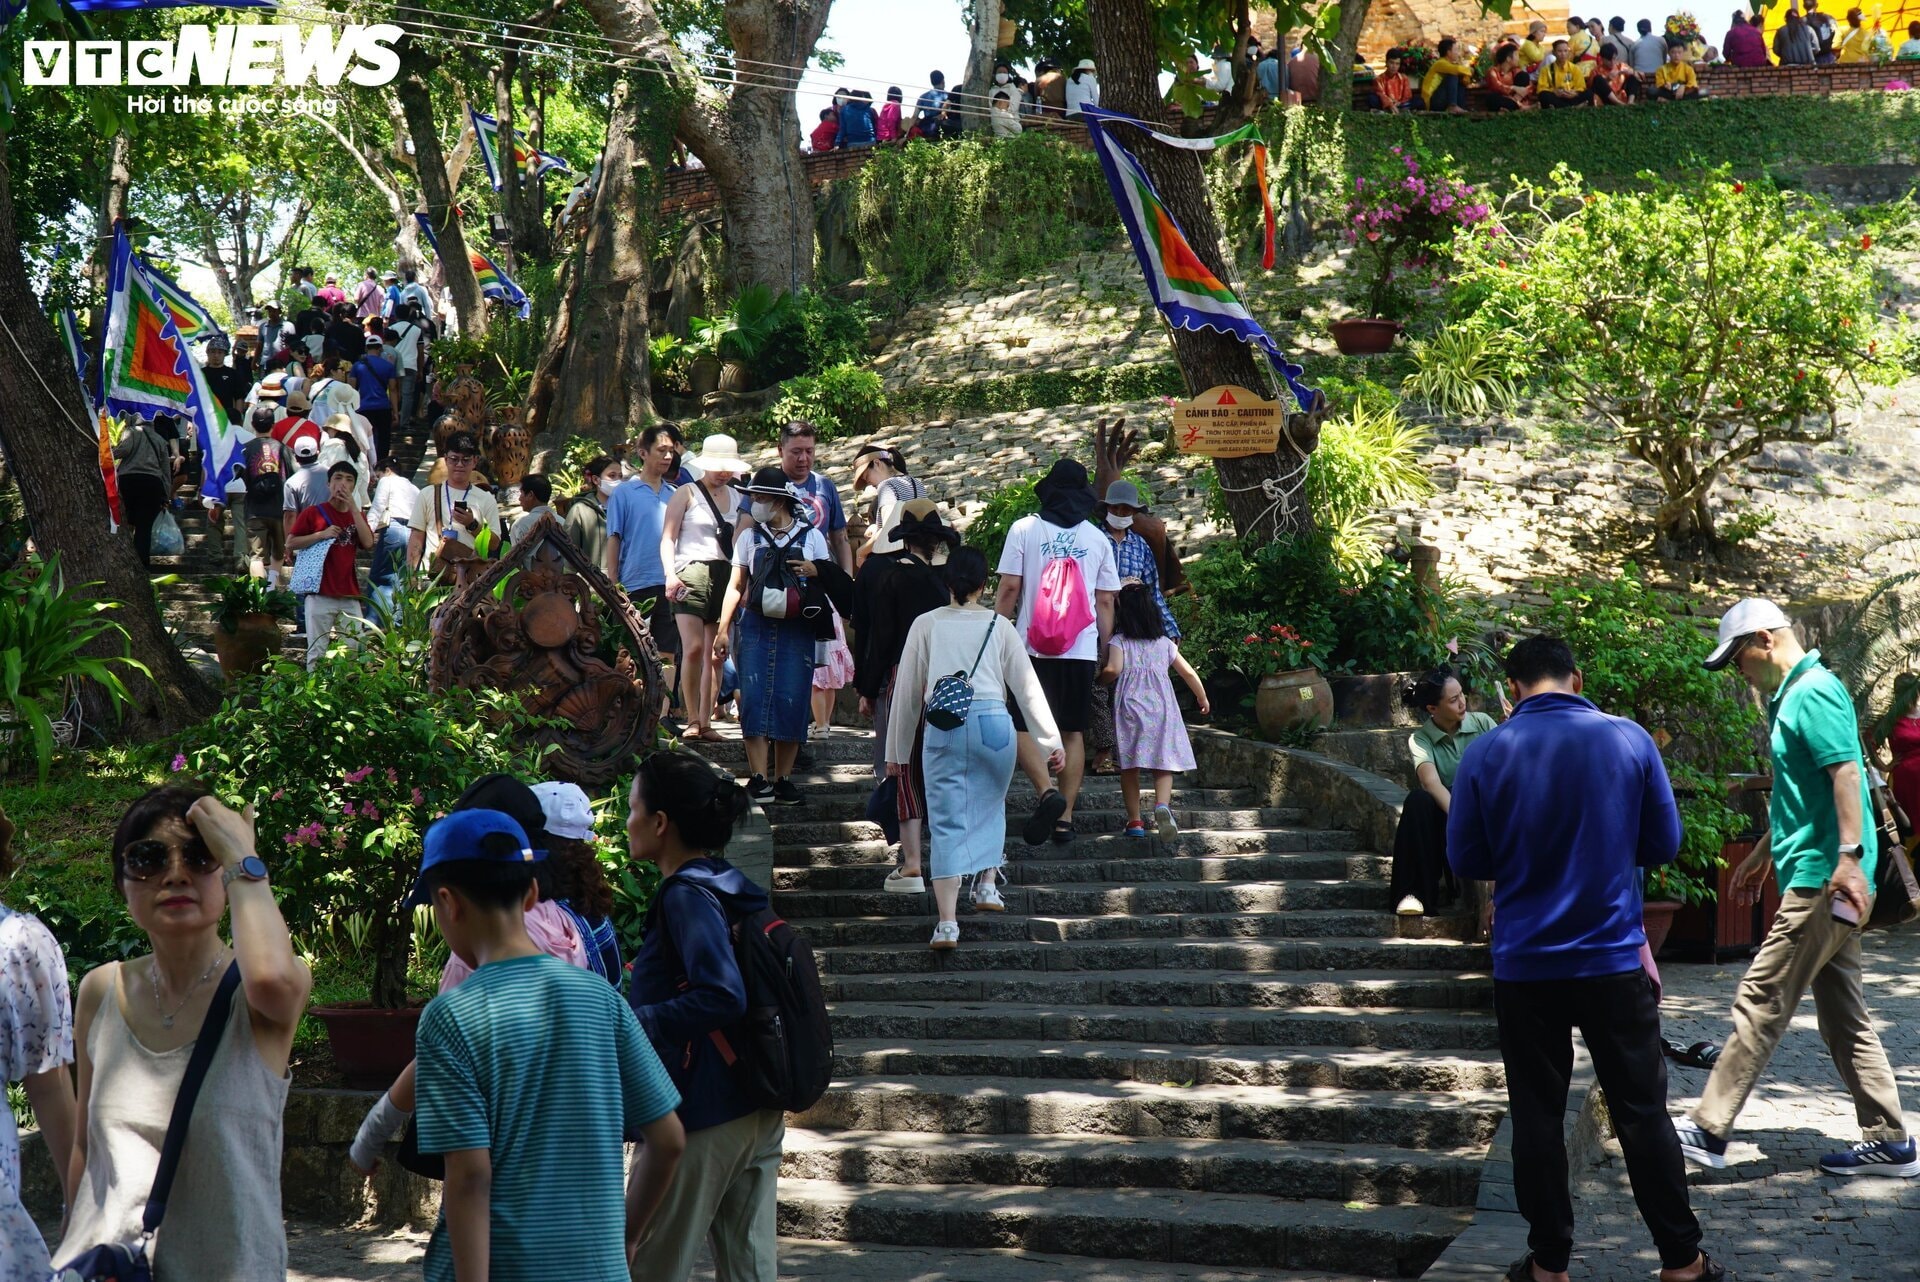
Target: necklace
(166, 1018)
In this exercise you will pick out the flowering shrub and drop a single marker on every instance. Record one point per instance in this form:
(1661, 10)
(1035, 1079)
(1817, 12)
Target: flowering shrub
(1278, 649)
(1402, 222)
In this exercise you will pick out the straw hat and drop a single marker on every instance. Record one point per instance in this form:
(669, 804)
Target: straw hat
(719, 453)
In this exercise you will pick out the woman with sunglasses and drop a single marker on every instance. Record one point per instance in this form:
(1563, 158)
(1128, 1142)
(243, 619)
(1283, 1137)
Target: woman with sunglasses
(181, 860)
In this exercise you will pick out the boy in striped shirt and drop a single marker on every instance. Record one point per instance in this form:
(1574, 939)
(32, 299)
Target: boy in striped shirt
(512, 1082)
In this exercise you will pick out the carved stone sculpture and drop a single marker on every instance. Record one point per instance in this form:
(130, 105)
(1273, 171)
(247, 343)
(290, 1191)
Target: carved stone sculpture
(532, 623)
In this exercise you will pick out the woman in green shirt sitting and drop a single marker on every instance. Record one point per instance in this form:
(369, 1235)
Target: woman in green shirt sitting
(1421, 878)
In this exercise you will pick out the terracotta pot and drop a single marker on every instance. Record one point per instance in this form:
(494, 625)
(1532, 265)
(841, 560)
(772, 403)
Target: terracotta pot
(1357, 336)
(736, 376)
(1371, 701)
(1287, 700)
(1009, 30)
(370, 1045)
(1656, 917)
(248, 648)
(703, 375)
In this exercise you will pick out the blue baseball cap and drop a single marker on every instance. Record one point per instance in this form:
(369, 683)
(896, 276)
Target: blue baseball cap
(487, 835)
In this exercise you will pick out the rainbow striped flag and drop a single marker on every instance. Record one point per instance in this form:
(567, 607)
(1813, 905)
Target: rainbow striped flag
(1185, 290)
(494, 283)
(192, 320)
(530, 163)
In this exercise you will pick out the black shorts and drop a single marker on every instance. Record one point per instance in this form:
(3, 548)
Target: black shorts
(652, 605)
(1068, 685)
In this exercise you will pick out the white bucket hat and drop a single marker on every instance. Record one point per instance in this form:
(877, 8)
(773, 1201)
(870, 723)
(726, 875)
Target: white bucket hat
(719, 454)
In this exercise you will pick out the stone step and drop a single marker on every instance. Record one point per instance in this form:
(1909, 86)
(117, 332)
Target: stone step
(802, 1260)
(1391, 1028)
(806, 825)
(1254, 990)
(1172, 1227)
(1371, 1069)
(841, 748)
(1141, 867)
(908, 920)
(915, 958)
(1307, 1171)
(1093, 900)
(1089, 846)
(830, 789)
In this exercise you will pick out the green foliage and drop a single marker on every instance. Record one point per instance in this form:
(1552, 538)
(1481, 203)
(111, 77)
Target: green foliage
(1040, 389)
(668, 357)
(1367, 459)
(236, 596)
(52, 637)
(634, 884)
(1874, 643)
(1274, 649)
(1003, 507)
(1729, 319)
(1894, 225)
(1640, 657)
(928, 217)
(817, 332)
(1402, 219)
(742, 331)
(840, 401)
(1467, 371)
(359, 755)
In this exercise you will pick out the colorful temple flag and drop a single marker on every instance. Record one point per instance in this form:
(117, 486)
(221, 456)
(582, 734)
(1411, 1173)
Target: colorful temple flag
(146, 369)
(529, 162)
(192, 320)
(109, 475)
(1187, 293)
(76, 348)
(494, 283)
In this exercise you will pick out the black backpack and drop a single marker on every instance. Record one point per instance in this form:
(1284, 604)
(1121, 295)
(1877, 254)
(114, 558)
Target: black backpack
(781, 1050)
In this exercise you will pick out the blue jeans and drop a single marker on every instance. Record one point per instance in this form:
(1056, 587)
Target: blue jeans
(389, 554)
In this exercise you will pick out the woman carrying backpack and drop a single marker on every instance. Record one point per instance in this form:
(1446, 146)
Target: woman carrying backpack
(689, 994)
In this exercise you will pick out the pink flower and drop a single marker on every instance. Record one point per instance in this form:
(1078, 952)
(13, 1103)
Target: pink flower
(359, 774)
(1453, 645)
(179, 762)
(393, 776)
(1373, 235)
(277, 794)
(349, 811)
(418, 796)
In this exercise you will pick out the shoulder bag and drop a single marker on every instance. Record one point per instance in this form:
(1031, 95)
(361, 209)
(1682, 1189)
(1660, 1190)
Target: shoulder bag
(719, 522)
(122, 1262)
(310, 562)
(952, 696)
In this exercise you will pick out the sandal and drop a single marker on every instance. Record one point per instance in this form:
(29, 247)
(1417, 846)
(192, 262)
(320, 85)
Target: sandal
(1699, 1055)
(1051, 806)
(707, 734)
(1063, 832)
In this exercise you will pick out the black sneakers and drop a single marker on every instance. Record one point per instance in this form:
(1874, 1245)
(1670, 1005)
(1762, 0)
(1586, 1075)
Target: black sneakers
(786, 793)
(758, 789)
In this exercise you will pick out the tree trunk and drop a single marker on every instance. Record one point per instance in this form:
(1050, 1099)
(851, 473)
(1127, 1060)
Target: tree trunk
(983, 47)
(531, 239)
(513, 201)
(1240, 105)
(592, 378)
(406, 234)
(1336, 73)
(416, 101)
(53, 457)
(1124, 45)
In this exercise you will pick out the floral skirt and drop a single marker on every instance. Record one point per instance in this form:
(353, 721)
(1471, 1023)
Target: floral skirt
(832, 661)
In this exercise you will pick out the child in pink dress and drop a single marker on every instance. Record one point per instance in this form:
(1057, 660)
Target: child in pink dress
(1148, 731)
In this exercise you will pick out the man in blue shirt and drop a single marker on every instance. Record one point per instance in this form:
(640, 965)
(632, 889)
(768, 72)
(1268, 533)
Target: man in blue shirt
(378, 379)
(1562, 808)
(821, 496)
(934, 112)
(634, 519)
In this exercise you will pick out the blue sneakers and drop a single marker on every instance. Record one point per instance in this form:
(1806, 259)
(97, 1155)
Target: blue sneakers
(1702, 1147)
(1895, 1158)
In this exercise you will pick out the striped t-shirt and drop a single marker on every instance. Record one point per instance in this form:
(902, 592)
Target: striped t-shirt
(545, 1066)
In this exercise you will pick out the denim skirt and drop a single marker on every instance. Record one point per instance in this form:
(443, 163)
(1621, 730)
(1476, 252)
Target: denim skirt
(966, 773)
(775, 662)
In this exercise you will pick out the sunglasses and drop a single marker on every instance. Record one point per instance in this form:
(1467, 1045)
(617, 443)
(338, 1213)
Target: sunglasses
(146, 859)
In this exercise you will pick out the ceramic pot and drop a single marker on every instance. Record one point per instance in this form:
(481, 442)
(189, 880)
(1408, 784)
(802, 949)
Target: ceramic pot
(1656, 917)
(1364, 336)
(248, 648)
(1289, 700)
(703, 375)
(1371, 701)
(370, 1045)
(736, 377)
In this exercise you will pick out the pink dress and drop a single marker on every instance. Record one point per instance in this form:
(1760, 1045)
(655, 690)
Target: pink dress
(1904, 743)
(552, 932)
(889, 127)
(832, 660)
(1149, 733)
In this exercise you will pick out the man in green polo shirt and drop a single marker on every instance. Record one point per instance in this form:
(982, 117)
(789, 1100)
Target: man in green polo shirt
(1816, 825)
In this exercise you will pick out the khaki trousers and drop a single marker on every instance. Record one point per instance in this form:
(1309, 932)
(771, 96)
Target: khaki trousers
(1805, 949)
(725, 1191)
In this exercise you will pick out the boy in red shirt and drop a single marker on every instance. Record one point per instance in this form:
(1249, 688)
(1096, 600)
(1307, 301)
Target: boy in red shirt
(825, 132)
(345, 525)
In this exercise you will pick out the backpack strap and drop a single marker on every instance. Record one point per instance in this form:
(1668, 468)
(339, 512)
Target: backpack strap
(204, 1047)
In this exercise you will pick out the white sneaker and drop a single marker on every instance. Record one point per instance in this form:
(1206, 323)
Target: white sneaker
(986, 897)
(1163, 819)
(898, 883)
(946, 936)
(1411, 907)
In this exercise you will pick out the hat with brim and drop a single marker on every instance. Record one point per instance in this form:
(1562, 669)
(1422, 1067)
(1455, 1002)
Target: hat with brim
(771, 483)
(272, 388)
(719, 453)
(875, 452)
(272, 307)
(1755, 614)
(920, 523)
(1066, 499)
(1125, 494)
(298, 401)
(1085, 64)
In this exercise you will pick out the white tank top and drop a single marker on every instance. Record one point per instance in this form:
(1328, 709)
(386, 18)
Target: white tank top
(699, 532)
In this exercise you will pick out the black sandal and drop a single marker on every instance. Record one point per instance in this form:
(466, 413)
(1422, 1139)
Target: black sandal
(1699, 1055)
(1051, 806)
(1063, 833)
(1522, 1270)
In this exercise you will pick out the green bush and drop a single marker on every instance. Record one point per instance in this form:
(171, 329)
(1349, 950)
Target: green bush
(1041, 389)
(1640, 657)
(1003, 507)
(1467, 372)
(50, 639)
(1368, 459)
(816, 332)
(841, 401)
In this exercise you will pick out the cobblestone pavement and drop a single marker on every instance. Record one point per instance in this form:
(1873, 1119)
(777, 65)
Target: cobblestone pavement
(1771, 1214)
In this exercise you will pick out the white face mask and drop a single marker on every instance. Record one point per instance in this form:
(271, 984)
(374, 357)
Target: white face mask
(764, 510)
(1000, 78)
(607, 486)
(1119, 522)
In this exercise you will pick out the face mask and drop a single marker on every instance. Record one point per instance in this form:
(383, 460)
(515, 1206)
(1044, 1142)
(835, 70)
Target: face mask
(1119, 522)
(607, 486)
(1000, 78)
(764, 512)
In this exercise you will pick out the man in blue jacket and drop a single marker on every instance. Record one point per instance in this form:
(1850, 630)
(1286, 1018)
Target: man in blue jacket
(1562, 808)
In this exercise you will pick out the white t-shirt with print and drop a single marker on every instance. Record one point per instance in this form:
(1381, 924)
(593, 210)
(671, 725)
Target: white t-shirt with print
(1031, 543)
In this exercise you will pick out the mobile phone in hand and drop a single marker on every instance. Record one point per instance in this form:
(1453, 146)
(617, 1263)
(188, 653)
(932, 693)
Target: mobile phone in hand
(1843, 912)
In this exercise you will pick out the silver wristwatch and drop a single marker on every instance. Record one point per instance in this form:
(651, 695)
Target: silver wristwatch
(252, 868)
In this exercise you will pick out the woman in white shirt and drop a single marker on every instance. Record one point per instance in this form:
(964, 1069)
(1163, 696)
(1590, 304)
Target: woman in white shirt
(1083, 87)
(967, 769)
(696, 546)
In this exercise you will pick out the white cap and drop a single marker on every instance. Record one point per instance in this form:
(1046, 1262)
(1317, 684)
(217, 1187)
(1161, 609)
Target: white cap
(1755, 614)
(569, 813)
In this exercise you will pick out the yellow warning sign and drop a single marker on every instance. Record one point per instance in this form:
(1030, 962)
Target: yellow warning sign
(1227, 422)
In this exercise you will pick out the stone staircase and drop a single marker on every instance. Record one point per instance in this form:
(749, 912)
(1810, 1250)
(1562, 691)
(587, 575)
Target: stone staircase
(1224, 1059)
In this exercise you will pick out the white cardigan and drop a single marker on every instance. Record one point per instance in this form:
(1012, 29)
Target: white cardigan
(944, 641)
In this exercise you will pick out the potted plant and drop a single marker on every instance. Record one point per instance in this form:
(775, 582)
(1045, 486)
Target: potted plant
(1401, 223)
(738, 335)
(361, 756)
(50, 638)
(1290, 692)
(247, 614)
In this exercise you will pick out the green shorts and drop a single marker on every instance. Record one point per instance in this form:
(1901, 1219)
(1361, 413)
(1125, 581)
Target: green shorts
(706, 589)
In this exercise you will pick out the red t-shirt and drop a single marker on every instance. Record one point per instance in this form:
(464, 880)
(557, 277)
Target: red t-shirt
(337, 576)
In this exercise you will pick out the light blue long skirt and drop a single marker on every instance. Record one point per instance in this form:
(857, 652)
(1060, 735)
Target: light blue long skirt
(967, 772)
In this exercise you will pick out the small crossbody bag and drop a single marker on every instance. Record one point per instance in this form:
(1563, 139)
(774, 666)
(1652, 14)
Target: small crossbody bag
(952, 696)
